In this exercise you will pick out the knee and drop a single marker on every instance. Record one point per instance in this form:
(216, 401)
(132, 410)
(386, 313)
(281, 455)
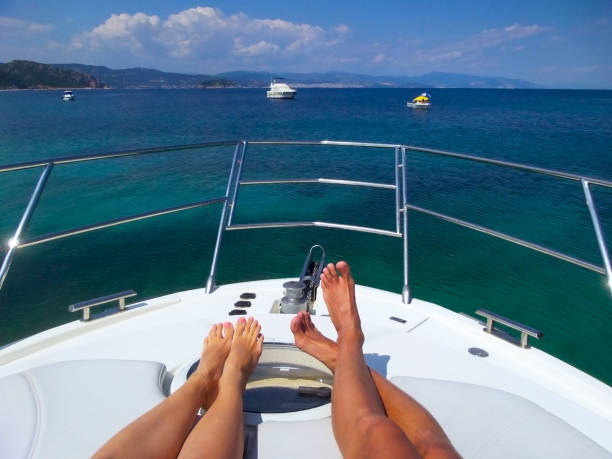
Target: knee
(373, 427)
(380, 437)
(370, 422)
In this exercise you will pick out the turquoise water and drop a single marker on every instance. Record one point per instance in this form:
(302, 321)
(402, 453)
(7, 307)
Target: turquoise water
(455, 267)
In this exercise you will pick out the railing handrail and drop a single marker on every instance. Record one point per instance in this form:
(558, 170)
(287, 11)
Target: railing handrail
(116, 154)
(229, 200)
(114, 222)
(195, 146)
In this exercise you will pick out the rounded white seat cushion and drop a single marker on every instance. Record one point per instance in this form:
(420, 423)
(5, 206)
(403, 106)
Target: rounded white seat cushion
(482, 422)
(70, 409)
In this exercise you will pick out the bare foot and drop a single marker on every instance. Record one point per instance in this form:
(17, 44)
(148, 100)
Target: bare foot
(244, 353)
(216, 349)
(339, 293)
(310, 340)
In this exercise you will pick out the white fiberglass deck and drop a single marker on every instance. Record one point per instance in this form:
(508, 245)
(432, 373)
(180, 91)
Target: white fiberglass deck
(427, 356)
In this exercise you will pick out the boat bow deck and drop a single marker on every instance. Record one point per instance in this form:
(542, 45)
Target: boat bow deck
(427, 355)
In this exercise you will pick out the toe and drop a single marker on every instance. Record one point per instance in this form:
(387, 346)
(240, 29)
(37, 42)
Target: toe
(295, 324)
(240, 326)
(259, 342)
(228, 330)
(307, 320)
(325, 280)
(343, 268)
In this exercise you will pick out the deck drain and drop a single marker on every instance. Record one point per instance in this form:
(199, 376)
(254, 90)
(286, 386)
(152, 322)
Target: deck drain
(478, 352)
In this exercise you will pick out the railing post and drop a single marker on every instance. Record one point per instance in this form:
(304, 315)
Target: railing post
(236, 161)
(237, 182)
(406, 295)
(23, 223)
(598, 231)
(397, 191)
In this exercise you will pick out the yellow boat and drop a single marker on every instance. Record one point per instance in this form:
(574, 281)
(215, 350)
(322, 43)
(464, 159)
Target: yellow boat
(422, 101)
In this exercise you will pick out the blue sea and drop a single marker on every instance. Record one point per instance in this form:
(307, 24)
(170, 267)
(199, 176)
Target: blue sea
(452, 266)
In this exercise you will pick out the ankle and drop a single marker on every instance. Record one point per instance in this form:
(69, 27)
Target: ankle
(328, 359)
(199, 384)
(351, 337)
(233, 377)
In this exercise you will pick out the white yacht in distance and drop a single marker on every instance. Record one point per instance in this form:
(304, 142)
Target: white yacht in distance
(280, 90)
(68, 95)
(66, 390)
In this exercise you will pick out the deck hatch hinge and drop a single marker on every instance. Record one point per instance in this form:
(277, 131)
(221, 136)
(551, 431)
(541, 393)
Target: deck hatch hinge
(526, 331)
(88, 304)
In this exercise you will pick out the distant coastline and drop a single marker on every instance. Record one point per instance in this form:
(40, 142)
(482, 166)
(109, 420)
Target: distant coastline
(21, 74)
(72, 88)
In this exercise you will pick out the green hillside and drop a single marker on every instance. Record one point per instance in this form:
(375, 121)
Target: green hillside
(137, 78)
(33, 75)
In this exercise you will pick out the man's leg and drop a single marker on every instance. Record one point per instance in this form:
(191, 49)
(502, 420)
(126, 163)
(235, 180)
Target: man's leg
(160, 432)
(360, 425)
(415, 421)
(220, 432)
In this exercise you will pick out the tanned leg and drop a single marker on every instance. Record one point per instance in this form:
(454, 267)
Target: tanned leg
(360, 424)
(415, 421)
(160, 432)
(220, 432)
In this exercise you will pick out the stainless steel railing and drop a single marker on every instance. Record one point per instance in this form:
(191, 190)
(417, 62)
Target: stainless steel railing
(15, 242)
(230, 199)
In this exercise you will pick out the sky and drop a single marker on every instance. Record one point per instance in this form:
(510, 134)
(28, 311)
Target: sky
(556, 44)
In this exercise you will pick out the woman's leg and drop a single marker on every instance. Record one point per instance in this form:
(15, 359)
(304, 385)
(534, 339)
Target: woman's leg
(220, 433)
(360, 425)
(415, 421)
(160, 432)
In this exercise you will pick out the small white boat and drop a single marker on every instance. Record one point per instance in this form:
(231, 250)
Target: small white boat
(422, 101)
(280, 90)
(68, 95)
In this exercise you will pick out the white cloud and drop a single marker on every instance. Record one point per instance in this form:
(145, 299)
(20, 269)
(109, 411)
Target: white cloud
(17, 27)
(494, 37)
(206, 33)
(379, 58)
(258, 49)
(124, 26)
(120, 31)
(473, 46)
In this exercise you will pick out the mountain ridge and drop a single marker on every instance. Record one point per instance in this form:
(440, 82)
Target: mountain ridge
(21, 74)
(145, 78)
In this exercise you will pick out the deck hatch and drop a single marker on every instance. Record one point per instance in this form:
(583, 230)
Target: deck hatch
(285, 380)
